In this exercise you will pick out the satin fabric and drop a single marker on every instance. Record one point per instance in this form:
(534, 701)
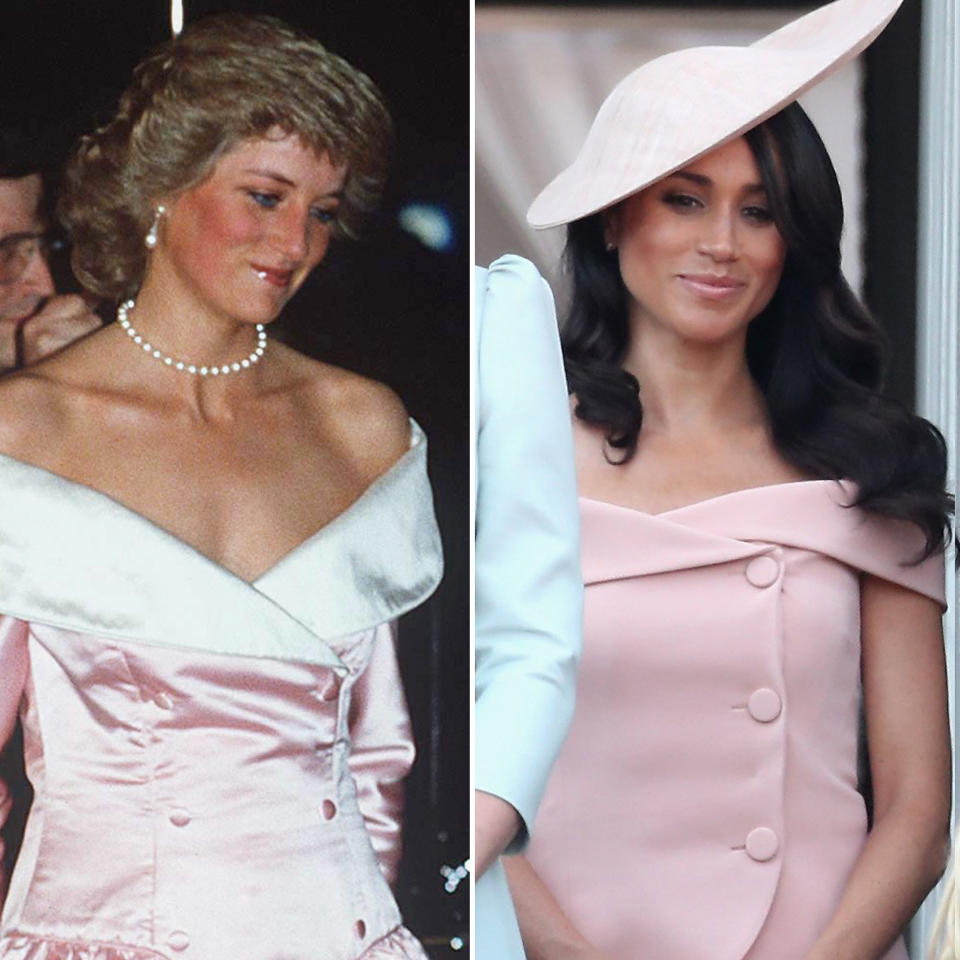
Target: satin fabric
(217, 765)
(528, 588)
(705, 803)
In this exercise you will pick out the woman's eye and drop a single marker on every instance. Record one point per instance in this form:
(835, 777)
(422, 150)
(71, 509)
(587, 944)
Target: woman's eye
(268, 200)
(682, 201)
(758, 214)
(324, 215)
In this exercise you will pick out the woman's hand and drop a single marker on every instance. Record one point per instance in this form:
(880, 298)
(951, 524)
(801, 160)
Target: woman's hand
(547, 932)
(585, 951)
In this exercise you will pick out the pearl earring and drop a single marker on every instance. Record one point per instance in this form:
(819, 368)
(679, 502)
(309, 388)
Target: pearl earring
(610, 245)
(150, 240)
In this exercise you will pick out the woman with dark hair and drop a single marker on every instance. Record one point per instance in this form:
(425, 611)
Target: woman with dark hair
(762, 540)
(207, 538)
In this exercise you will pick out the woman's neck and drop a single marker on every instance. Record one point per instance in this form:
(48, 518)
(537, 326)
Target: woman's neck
(180, 326)
(691, 387)
(183, 327)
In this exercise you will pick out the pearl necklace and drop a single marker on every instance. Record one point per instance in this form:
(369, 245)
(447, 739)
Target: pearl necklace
(123, 319)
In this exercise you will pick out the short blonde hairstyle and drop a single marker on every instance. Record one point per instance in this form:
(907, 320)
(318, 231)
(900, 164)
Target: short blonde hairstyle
(225, 79)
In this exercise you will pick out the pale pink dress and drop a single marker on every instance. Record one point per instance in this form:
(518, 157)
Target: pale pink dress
(705, 804)
(218, 765)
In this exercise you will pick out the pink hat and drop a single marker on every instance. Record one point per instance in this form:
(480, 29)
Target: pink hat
(680, 106)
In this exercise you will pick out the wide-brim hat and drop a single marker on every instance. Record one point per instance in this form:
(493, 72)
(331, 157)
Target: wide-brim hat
(678, 107)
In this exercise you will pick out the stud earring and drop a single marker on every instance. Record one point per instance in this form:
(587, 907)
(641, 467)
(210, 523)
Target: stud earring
(610, 245)
(150, 240)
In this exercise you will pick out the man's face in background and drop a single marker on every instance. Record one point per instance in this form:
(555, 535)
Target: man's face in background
(20, 213)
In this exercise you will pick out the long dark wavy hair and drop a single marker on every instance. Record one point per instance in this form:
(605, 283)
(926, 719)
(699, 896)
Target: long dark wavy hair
(816, 353)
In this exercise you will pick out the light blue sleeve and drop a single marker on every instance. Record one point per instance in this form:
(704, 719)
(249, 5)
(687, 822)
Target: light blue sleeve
(529, 591)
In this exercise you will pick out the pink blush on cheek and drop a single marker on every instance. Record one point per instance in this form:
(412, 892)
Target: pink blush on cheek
(207, 234)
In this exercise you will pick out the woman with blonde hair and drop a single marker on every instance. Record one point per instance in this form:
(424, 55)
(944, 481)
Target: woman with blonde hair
(207, 537)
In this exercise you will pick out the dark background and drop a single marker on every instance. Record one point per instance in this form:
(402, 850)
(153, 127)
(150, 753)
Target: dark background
(386, 306)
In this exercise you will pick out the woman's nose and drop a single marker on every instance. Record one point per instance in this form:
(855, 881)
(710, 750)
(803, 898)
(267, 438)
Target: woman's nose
(291, 235)
(719, 238)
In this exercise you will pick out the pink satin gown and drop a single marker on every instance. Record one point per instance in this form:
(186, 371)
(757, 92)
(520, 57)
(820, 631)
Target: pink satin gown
(705, 804)
(218, 765)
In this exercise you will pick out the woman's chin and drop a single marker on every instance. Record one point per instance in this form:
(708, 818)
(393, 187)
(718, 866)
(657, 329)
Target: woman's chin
(259, 309)
(710, 330)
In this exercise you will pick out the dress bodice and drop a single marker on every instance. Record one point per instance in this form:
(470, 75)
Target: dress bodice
(705, 802)
(217, 765)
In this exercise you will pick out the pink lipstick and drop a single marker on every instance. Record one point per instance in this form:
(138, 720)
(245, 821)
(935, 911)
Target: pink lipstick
(278, 278)
(711, 286)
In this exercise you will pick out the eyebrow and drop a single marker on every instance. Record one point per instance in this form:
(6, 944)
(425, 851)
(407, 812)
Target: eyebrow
(272, 175)
(286, 181)
(703, 181)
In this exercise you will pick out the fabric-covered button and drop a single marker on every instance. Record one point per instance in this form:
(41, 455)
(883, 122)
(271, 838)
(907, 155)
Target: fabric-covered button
(179, 817)
(360, 929)
(163, 701)
(762, 844)
(329, 809)
(328, 689)
(178, 940)
(764, 705)
(762, 571)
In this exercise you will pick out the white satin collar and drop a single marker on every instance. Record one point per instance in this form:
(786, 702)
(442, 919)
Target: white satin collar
(73, 557)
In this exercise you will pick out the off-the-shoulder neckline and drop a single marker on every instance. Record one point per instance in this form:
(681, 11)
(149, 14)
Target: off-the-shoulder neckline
(718, 498)
(416, 439)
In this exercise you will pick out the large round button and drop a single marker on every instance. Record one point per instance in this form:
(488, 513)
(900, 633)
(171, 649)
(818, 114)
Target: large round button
(762, 571)
(329, 809)
(764, 705)
(178, 940)
(179, 817)
(163, 701)
(762, 844)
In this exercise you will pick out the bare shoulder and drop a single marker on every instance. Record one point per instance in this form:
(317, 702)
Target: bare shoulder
(363, 418)
(371, 411)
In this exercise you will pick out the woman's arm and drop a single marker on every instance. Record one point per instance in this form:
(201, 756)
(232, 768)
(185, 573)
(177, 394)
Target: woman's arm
(382, 748)
(905, 700)
(13, 674)
(547, 932)
(528, 582)
(496, 823)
